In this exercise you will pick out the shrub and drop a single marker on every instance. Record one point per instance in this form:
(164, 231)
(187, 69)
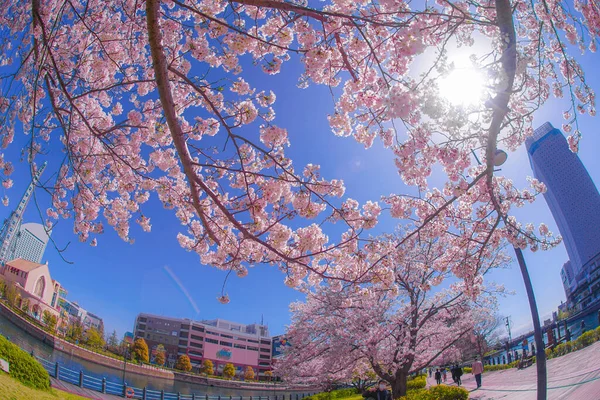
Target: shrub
(440, 392)
(549, 353)
(586, 339)
(23, 367)
(334, 394)
(467, 370)
(417, 383)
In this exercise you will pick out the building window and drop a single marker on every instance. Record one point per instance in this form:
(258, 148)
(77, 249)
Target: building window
(252, 348)
(40, 286)
(265, 350)
(226, 336)
(197, 328)
(196, 337)
(253, 341)
(228, 344)
(264, 357)
(239, 346)
(209, 340)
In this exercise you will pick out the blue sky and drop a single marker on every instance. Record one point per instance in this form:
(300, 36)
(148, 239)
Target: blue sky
(117, 280)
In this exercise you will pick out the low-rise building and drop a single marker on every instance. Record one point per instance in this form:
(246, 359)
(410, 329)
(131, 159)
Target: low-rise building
(34, 284)
(217, 340)
(74, 312)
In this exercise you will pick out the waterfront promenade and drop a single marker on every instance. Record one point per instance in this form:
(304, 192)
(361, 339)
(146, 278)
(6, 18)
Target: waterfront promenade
(572, 376)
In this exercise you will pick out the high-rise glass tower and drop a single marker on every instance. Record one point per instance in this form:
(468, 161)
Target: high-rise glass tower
(30, 243)
(572, 196)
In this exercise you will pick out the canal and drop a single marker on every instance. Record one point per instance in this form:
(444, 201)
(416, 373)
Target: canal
(32, 345)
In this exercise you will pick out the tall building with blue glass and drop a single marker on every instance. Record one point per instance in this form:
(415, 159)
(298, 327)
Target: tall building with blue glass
(574, 202)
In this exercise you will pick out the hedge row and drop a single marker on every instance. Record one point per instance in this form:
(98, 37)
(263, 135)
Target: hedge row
(582, 341)
(490, 368)
(418, 382)
(440, 392)
(23, 367)
(334, 394)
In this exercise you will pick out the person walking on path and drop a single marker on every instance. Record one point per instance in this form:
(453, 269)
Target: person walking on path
(430, 369)
(380, 393)
(458, 373)
(438, 376)
(444, 374)
(477, 371)
(453, 373)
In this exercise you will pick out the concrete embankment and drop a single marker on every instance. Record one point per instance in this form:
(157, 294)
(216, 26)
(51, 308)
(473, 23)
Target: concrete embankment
(76, 351)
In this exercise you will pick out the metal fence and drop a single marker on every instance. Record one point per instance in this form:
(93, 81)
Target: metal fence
(102, 385)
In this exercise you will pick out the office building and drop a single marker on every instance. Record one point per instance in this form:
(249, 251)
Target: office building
(574, 202)
(29, 243)
(217, 340)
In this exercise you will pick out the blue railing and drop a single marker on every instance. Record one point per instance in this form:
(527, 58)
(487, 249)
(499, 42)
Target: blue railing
(80, 379)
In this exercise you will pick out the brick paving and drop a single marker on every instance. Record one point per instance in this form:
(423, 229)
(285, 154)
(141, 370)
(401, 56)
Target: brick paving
(575, 376)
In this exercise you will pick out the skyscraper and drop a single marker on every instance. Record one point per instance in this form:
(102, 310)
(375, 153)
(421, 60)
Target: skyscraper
(572, 196)
(29, 243)
(574, 202)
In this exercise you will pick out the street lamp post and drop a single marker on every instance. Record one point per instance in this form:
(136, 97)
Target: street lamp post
(125, 353)
(500, 158)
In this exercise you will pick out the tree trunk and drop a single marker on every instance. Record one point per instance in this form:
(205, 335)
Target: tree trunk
(399, 384)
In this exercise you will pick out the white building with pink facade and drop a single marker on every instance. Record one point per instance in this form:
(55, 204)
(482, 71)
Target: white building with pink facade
(34, 284)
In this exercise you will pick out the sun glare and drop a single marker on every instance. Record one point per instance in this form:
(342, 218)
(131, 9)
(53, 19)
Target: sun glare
(463, 86)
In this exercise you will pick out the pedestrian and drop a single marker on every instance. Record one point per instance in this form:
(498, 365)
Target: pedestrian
(438, 376)
(444, 374)
(430, 371)
(458, 372)
(380, 393)
(453, 373)
(477, 370)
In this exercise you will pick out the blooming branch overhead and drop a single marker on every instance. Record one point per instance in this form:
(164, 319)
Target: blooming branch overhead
(150, 99)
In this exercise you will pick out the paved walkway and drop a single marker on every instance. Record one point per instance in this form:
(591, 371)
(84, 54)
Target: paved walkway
(571, 377)
(83, 392)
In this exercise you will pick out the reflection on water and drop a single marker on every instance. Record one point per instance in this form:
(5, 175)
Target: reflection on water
(32, 345)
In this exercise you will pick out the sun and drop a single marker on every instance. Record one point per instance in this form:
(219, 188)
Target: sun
(463, 86)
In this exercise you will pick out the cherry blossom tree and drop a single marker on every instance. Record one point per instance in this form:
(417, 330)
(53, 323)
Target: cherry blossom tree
(150, 98)
(395, 332)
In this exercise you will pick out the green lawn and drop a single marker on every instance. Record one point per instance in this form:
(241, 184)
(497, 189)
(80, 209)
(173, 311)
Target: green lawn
(12, 389)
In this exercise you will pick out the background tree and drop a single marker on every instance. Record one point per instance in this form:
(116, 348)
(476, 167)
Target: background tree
(50, 320)
(269, 375)
(229, 371)
(397, 328)
(139, 351)
(183, 363)
(94, 338)
(113, 340)
(249, 374)
(160, 358)
(25, 306)
(207, 367)
(11, 294)
(486, 333)
(75, 330)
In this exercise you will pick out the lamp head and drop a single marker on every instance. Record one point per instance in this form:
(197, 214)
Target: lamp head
(500, 157)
